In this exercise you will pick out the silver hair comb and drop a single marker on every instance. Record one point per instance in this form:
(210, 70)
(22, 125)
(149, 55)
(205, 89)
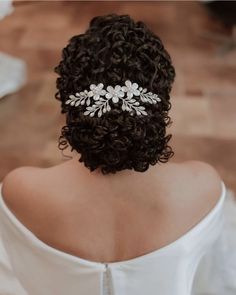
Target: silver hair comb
(101, 97)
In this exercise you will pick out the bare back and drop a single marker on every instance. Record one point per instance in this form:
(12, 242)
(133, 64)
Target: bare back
(111, 218)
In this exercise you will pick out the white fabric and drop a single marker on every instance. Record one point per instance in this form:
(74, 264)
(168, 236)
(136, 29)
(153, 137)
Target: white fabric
(200, 258)
(12, 69)
(12, 74)
(5, 8)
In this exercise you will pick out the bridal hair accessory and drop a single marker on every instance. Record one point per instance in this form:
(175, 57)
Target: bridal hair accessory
(101, 98)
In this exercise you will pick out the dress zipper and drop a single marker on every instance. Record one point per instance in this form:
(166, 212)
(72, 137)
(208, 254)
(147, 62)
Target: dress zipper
(106, 281)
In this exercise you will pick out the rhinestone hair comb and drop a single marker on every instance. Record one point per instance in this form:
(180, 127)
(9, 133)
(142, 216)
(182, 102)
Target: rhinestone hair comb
(127, 94)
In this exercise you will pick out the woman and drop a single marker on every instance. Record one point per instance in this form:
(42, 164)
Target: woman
(118, 218)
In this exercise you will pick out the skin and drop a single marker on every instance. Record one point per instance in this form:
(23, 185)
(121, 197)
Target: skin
(113, 217)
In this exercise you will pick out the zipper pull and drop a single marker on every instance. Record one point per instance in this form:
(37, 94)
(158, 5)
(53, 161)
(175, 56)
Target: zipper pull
(106, 265)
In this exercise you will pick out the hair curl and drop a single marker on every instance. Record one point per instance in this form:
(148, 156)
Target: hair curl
(113, 49)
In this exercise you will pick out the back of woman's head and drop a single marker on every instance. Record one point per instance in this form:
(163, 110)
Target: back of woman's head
(113, 50)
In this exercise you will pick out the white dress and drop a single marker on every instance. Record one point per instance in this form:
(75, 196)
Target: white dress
(198, 263)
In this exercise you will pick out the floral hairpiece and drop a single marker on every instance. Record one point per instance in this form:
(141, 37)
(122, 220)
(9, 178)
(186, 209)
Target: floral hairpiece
(118, 93)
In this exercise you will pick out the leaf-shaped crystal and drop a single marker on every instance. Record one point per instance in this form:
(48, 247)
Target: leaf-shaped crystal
(90, 108)
(123, 107)
(141, 108)
(99, 113)
(88, 102)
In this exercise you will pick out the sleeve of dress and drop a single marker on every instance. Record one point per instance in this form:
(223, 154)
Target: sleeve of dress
(9, 285)
(217, 270)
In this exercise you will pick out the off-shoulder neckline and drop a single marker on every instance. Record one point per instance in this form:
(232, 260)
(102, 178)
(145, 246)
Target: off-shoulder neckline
(39, 243)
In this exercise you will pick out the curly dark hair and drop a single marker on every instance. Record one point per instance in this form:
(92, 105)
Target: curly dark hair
(114, 49)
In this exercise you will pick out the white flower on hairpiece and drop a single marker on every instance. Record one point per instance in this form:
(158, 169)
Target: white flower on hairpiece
(96, 91)
(115, 93)
(131, 89)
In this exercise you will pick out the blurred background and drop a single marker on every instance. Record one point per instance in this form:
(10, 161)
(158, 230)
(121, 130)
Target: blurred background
(200, 37)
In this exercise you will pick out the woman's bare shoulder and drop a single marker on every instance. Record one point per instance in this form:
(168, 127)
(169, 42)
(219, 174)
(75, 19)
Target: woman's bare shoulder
(18, 185)
(26, 179)
(204, 179)
(17, 179)
(203, 170)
